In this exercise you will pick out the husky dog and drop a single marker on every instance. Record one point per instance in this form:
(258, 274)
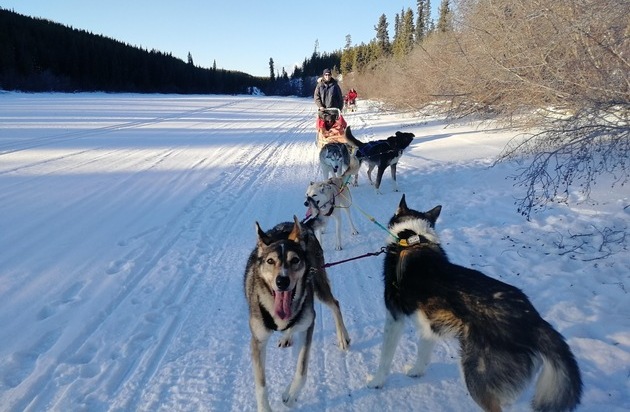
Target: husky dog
(326, 199)
(381, 154)
(337, 159)
(503, 340)
(283, 275)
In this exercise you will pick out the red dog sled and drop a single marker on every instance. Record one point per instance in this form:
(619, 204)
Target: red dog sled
(331, 127)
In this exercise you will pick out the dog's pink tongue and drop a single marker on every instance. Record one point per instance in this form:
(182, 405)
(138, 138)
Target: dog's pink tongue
(282, 305)
(309, 212)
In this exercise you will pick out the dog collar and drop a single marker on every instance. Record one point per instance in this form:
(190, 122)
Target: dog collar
(411, 241)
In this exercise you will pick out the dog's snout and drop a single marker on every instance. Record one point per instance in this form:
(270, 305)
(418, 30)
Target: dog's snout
(283, 282)
(306, 203)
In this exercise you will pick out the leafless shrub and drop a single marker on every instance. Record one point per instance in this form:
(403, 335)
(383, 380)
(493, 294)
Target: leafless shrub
(571, 152)
(561, 68)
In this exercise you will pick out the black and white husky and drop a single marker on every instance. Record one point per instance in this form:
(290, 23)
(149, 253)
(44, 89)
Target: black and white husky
(284, 273)
(380, 154)
(503, 340)
(327, 199)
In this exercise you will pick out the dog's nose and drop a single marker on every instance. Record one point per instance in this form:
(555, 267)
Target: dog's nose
(306, 203)
(283, 282)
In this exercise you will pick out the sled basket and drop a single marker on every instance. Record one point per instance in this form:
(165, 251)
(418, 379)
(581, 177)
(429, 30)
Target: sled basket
(331, 127)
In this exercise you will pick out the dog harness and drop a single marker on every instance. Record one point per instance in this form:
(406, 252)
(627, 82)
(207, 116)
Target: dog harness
(374, 149)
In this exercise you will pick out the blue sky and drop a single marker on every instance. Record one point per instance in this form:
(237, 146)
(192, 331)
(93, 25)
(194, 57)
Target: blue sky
(239, 34)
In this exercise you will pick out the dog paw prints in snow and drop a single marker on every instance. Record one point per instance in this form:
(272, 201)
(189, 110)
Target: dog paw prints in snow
(118, 266)
(69, 297)
(19, 365)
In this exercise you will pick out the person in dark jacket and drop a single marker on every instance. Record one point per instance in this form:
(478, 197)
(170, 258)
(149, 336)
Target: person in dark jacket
(328, 93)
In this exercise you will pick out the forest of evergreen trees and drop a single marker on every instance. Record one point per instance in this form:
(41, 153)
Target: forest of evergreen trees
(39, 55)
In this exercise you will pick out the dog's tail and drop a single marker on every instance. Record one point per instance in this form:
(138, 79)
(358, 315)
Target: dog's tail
(351, 139)
(559, 385)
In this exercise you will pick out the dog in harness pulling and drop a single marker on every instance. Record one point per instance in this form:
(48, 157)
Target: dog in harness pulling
(324, 200)
(381, 154)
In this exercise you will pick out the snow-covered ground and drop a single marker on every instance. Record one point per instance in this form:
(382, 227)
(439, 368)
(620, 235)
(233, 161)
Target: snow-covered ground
(126, 221)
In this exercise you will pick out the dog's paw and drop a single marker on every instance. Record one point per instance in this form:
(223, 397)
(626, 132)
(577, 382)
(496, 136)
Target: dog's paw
(288, 399)
(415, 372)
(285, 341)
(344, 343)
(290, 395)
(376, 382)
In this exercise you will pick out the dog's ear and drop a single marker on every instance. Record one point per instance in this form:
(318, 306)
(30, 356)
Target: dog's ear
(262, 237)
(433, 214)
(402, 206)
(296, 232)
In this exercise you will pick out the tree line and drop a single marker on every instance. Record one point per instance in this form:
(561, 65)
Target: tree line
(39, 55)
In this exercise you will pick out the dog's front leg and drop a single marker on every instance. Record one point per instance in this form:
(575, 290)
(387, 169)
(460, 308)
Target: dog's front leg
(299, 379)
(391, 336)
(259, 354)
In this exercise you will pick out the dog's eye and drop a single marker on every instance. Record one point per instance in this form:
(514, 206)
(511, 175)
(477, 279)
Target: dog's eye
(294, 261)
(270, 261)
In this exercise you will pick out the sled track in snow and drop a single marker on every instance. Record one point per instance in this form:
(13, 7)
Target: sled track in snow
(182, 239)
(80, 134)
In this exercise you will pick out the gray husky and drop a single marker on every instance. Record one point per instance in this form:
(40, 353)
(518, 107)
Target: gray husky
(284, 273)
(337, 159)
(503, 340)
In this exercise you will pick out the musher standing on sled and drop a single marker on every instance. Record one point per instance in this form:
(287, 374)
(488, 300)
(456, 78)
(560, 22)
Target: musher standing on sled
(328, 93)
(329, 100)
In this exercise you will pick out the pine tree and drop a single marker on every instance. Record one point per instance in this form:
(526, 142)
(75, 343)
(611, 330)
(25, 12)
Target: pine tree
(190, 59)
(272, 71)
(428, 22)
(382, 36)
(409, 31)
(421, 28)
(444, 23)
(347, 60)
(405, 39)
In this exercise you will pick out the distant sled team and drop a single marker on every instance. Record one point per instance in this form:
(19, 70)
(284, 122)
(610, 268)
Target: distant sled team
(504, 342)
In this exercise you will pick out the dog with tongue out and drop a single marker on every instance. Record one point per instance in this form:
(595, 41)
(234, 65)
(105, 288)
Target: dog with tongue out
(283, 275)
